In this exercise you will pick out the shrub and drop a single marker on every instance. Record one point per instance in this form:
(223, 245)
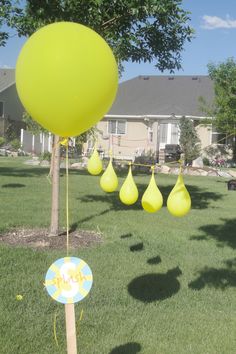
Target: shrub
(15, 144)
(206, 161)
(2, 140)
(46, 156)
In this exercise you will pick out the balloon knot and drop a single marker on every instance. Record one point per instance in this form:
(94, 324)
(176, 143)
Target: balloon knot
(64, 141)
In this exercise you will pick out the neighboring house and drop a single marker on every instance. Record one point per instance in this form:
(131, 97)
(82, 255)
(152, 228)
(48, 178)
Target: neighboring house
(11, 109)
(11, 112)
(143, 118)
(146, 113)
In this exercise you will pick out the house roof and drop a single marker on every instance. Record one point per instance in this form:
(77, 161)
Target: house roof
(162, 95)
(7, 78)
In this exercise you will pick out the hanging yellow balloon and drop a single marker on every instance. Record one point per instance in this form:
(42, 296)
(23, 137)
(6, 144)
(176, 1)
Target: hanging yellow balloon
(179, 201)
(129, 191)
(94, 164)
(152, 199)
(109, 180)
(66, 78)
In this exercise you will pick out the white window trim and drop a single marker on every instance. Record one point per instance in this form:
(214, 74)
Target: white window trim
(117, 120)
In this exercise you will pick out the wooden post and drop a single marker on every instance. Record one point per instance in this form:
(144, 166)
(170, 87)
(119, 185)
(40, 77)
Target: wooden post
(70, 329)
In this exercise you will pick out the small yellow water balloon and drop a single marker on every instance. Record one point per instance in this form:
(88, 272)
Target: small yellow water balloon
(129, 191)
(109, 180)
(152, 199)
(94, 164)
(179, 201)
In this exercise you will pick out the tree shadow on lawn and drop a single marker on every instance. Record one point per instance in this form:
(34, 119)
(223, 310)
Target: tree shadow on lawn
(13, 185)
(224, 234)
(200, 199)
(129, 348)
(35, 171)
(155, 286)
(23, 172)
(219, 278)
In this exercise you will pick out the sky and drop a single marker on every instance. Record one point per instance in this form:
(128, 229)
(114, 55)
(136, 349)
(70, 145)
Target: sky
(214, 22)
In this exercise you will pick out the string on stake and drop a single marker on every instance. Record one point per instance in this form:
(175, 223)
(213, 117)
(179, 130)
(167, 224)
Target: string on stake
(68, 279)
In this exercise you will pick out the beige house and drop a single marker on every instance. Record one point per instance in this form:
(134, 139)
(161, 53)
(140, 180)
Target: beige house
(146, 113)
(11, 109)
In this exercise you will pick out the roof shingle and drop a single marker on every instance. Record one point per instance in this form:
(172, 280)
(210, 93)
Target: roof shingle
(163, 95)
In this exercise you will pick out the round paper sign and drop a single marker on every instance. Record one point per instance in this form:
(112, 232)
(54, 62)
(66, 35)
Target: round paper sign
(68, 280)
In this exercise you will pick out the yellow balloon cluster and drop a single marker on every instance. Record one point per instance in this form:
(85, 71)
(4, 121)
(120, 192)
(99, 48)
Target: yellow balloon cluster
(178, 202)
(66, 78)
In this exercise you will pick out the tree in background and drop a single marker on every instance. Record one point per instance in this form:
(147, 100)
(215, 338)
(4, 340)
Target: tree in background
(150, 31)
(8, 11)
(189, 141)
(224, 105)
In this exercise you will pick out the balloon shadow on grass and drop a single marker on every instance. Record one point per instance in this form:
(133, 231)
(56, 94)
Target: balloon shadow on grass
(126, 235)
(129, 348)
(154, 260)
(155, 286)
(137, 247)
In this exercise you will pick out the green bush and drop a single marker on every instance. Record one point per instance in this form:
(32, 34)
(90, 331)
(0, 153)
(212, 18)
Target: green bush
(2, 140)
(46, 156)
(206, 161)
(15, 144)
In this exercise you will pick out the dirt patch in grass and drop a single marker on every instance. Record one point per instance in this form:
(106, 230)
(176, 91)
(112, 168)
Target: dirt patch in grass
(40, 239)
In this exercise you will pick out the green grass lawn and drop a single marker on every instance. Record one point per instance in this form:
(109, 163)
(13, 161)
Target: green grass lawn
(161, 284)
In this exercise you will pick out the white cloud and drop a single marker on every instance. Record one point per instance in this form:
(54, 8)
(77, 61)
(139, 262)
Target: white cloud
(5, 66)
(214, 22)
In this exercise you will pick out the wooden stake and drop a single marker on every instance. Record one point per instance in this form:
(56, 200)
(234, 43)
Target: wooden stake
(70, 329)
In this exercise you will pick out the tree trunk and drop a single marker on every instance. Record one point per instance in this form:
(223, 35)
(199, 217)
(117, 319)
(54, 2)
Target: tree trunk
(234, 148)
(55, 170)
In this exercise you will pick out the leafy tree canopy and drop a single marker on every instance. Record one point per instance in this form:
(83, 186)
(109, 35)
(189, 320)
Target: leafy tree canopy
(8, 11)
(224, 77)
(148, 30)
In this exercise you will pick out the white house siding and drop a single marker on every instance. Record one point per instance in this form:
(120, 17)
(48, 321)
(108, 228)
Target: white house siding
(135, 141)
(204, 133)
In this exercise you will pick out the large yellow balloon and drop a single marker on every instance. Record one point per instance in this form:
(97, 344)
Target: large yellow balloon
(66, 78)
(179, 201)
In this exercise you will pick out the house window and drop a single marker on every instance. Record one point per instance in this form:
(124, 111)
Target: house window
(150, 134)
(163, 133)
(174, 134)
(1, 109)
(117, 127)
(217, 138)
